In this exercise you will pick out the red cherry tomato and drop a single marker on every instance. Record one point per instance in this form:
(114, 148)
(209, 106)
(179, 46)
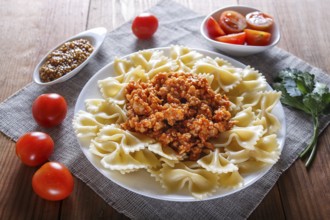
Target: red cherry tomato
(49, 109)
(259, 21)
(232, 38)
(232, 22)
(257, 38)
(53, 181)
(145, 25)
(213, 28)
(34, 148)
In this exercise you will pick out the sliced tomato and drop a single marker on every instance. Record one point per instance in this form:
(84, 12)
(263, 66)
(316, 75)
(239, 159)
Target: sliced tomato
(232, 38)
(257, 38)
(213, 28)
(259, 21)
(232, 22)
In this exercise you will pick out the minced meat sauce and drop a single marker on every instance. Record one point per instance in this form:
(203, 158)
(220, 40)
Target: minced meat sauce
(65, 59)
(180, 110)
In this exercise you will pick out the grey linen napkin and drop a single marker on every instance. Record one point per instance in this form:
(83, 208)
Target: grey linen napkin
(178, 25)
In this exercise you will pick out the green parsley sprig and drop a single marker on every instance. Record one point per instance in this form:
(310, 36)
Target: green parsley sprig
(301, 91)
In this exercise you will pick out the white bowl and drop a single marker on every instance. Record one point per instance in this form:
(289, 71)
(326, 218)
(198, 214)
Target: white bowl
(234, 49)
(95, 36)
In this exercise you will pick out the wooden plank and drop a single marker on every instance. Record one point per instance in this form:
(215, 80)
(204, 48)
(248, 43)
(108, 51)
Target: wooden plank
(29, 30)
(84, 203)
(270, 207)
(304, 193)
(112, 14)
(302, 27)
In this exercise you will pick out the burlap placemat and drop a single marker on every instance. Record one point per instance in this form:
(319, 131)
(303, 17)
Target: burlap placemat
(178, 25)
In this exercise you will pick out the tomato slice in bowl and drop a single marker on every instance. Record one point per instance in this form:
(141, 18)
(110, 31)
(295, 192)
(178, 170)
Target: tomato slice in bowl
(259, 21)
(257, 38)
(238, 38)
(232, 22)
(213, 28)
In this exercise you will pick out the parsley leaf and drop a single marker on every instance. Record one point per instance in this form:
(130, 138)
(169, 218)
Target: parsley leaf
(301, 91)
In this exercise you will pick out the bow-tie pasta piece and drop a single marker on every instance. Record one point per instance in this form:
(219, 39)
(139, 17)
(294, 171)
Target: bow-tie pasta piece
(252, 81)
(128, 162)
(170, 163)
(105, 112)
(85, 125)
(128, 141)
(266, 150)
(244, 118)
(235, 104)
(231, 180)
(155, 172)
(181, 67)
(112, 90)
(267, 101)
(250, 166)
(250, 99)
(185, 57)
(238, 156)
(104, 148)
(153, 62)
(148, 59)
(146, 157)
(263, 122)
(164, 151)
(135, 74)
(198, 181)
(122, 66)
(222, 62)
(246, 137)
(225, 78)
(216, 163)
(265, 106)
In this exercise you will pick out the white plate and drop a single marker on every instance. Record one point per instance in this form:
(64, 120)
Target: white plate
(95, 36)
(141, 182)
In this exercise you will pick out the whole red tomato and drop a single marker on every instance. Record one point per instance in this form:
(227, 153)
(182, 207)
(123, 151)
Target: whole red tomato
(53, 181)
(49, 109)
(145, 25)
(34, 148)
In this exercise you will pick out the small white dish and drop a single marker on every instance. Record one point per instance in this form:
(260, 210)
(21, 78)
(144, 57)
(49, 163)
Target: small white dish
(234, 49)
(95, 36)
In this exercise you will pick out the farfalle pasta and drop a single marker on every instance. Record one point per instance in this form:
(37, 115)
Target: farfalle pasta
(247, 147)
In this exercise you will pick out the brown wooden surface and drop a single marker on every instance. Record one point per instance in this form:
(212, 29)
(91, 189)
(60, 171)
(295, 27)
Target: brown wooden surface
(30, 28)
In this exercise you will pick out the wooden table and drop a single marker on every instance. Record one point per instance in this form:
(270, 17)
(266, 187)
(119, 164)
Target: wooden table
(30, 28)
